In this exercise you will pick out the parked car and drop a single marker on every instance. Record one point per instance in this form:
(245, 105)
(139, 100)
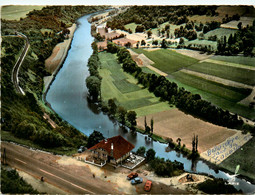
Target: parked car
(132, 176)
(137, 180)
(147, 186)
(81, 149)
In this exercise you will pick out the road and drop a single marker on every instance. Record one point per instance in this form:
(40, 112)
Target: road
(15, 70)
(29, 161)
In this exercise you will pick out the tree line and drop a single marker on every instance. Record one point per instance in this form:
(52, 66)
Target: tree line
(242, 41)
(170, 92)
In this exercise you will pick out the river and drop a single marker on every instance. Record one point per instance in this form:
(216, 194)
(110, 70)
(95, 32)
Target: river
(68, 97)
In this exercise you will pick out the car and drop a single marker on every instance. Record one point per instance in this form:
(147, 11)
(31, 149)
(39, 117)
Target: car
(147, 186)
(137, 180)
(132, 176)
(81, 149)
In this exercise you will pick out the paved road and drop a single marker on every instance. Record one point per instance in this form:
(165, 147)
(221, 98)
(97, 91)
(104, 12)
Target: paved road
(15, 70)
(22, 158)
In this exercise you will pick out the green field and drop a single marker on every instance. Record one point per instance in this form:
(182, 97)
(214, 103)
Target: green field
(213, 44)
(236, 59)
(221, 95)
(244, 157)
(132, 26)
(226, 72)
(15, 12)
(226, 92)
(220, 32)
(123, 87)
(168, 61)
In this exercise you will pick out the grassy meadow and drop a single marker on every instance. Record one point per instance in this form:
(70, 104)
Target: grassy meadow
(123, 87)
(15, 12)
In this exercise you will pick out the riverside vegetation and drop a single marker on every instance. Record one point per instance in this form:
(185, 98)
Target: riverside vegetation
(22, 116)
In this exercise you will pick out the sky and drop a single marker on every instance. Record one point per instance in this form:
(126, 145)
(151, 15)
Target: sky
(128, 2)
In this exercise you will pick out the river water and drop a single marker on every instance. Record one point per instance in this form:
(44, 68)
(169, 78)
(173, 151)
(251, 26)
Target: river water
(68, 97)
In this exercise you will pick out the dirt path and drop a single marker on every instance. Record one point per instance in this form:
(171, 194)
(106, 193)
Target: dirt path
(246, 101)
(217, 79)
(157, 71)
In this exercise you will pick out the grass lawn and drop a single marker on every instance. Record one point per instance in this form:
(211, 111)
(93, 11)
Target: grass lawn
(250, 61)
(213, 44)
(162, 26)
(168, 61)
(15, 12)
(123, 87)
(226, 92)
(226, 72)
(132, 26)
(220, 32)
(244, 157)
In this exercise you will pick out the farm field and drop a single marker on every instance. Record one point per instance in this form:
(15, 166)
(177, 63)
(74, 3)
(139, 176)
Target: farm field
(15, 12)
(244, 157)
(218, 94)
(236, 59)
(176, 124)
(224, 91)
(166, 60)
(227, 72)
(213, 44)
(123, 87)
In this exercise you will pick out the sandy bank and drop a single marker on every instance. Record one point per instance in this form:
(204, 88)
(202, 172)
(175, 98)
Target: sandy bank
(57, 57)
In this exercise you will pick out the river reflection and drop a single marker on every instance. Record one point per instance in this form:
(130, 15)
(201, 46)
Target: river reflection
(68, 97)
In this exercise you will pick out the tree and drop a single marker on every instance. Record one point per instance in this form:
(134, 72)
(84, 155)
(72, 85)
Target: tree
(149, 33)
(143, 42)
(131, 117)
(179, 141)
(152, 125)
(170, 142)
(145, 123)
(181, 41)
(94, 138)
(112, 107)
(141, 151)
(94, 86)
(196, 142)
(193, 145)
(239, 25)
(122, 114)
(163, 44)
(150, 155)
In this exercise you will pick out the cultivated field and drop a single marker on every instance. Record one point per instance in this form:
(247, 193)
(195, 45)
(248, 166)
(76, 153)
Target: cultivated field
(224, 94)
(244, 157)
(166, 60)
(123, 87)
(15, 12)
(176, 124)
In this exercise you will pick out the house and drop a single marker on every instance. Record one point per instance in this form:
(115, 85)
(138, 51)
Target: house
(113, 150)
(101, 46)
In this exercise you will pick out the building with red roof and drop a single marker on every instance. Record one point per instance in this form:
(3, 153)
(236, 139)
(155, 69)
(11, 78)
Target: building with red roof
(114, 150)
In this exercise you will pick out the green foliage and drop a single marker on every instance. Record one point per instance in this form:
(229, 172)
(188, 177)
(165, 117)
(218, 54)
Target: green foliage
(217, 186)
(150, 155)
(93, 84)
(12, 183)
(112, 107)
(94, 138)
(141, 151)
(166, 168)
(131, 118)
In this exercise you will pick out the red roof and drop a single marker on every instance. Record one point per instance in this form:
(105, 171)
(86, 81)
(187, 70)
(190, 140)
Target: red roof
(120, 146)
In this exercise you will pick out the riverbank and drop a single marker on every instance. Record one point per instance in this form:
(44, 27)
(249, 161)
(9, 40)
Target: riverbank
(57, 58)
